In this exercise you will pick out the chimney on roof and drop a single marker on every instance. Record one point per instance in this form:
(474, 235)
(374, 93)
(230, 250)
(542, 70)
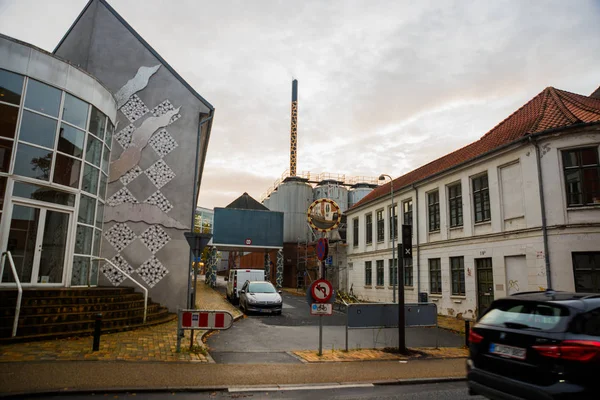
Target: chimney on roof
(596, 93)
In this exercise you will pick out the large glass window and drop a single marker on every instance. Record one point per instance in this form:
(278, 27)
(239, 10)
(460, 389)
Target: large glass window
(393, 271)
(75, 111)
(33, 162)
(435, 276)
(43, 98)
(380, 273)
(481, 198)
(586, 268)
(5, 153)
(97, 123)
(42, 193)
(90, 179)
(380, 226)
(83, 239)
(407, 212)
(455, 205)
(3, 180)
(408, 272)
(87, 208)
(369, 228)
(433, 205)
(66, 171)
(582, 176)
(8, 120)
(93, 152)
(11, 87)
(457, 271)
(368, 273)
(70, 140)
(355, 232)
(393, 211)
(37, 129)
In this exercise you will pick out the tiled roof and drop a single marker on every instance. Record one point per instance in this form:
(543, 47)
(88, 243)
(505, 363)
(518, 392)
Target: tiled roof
(596, 93)
(552, 108)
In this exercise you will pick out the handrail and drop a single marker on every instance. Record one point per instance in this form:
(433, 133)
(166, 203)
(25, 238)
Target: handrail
(133, 280)
(19, 288)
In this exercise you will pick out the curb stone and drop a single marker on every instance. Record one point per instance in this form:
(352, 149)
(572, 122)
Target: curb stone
(248, 388)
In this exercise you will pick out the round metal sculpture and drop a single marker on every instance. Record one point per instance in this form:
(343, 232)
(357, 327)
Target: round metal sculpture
(324, 215)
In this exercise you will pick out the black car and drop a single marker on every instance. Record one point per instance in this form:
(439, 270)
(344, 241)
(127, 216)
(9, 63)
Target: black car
(537, 345)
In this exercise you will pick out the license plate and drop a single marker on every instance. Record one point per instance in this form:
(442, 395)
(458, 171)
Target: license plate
(265, 311)
(507, 351)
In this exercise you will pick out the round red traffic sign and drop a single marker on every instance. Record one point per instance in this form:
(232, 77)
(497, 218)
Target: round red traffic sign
(321, 291)
(322, 249)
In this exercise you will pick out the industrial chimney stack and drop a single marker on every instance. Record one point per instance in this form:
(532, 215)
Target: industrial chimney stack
(294, 128)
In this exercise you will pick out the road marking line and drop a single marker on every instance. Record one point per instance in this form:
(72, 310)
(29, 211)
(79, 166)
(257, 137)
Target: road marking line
(298, 387)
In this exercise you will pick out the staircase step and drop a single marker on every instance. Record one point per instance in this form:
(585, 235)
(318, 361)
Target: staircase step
(84, 325)
(167, 317)
(68, 292)
(41, 319)
(72, 308)
(73, 300)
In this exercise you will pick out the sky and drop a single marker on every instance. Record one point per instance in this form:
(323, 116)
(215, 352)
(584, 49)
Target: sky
(384, 86)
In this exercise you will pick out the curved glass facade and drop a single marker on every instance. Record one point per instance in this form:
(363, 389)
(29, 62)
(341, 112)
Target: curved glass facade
(54, 155)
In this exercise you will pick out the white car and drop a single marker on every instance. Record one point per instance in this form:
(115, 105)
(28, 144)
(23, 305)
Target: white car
(261, 297)
(237, 277)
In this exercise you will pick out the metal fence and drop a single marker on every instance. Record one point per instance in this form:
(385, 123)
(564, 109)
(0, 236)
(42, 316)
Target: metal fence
(385, 315)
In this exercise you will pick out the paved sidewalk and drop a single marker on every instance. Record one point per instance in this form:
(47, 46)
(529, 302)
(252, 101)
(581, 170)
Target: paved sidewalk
(67, 376)
(155, 343)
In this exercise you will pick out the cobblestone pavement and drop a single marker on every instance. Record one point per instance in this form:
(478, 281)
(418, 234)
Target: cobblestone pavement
(155, 343)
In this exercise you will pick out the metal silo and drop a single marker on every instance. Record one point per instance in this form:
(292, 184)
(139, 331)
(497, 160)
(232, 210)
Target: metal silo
(267, 202)
(294, 196)
(358, 192)
(334, 190)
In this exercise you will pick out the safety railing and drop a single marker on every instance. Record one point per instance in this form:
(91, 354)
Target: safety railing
(133, 280)
(19, 288)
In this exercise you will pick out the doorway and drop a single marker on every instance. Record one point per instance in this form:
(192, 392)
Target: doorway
(37, 240)
(485, 284)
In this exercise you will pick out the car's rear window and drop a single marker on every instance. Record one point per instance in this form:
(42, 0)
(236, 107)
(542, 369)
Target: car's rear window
(527, 315)
(261, 287)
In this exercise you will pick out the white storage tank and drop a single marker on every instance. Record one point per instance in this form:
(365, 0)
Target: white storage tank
(358, 192)
(294, 196)
(267, 202)
(334, 190)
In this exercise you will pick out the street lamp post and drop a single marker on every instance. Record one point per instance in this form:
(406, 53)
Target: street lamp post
(394, 267)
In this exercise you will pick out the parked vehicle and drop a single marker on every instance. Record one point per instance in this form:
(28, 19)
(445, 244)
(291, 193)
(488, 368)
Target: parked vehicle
(236, 279)
(537, 345)
(260, 297)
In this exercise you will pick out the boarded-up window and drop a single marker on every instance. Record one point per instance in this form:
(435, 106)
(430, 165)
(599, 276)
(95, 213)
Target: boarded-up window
(512, 191)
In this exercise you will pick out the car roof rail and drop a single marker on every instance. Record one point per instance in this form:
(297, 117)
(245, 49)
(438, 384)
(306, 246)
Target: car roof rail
(522, 293)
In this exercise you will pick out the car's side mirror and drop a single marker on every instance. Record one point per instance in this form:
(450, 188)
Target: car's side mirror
(226, 279)
(242, 291)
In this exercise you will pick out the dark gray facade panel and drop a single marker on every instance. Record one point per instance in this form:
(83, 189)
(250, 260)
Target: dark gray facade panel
(151, 183)
(234, 227)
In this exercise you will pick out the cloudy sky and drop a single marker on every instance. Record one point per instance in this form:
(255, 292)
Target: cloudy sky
(384, 86)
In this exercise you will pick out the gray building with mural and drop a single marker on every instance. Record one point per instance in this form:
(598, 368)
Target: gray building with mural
(162, 133)
(124, 171)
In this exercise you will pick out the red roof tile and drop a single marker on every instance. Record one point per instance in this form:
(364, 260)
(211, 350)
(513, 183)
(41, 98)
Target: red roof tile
(550, 109)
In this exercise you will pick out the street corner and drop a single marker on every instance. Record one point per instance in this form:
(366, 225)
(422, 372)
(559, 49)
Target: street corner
(312, 356)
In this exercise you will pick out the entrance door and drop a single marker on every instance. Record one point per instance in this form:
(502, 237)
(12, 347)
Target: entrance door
(485, 284)
(37, 240)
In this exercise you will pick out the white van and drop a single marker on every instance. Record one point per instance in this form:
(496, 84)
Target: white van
(237, 278)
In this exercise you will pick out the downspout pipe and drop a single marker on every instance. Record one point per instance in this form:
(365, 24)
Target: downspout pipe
(417, 236)
(538, 159)
(189, 301)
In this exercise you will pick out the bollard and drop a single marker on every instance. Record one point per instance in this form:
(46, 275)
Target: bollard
(467, 329)
(97, 332)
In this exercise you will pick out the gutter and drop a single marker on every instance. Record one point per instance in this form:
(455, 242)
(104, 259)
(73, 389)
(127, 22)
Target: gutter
(487, 154)
(538, 160)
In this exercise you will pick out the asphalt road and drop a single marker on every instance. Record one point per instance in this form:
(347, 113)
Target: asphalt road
(270, 338)
(432, 391)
